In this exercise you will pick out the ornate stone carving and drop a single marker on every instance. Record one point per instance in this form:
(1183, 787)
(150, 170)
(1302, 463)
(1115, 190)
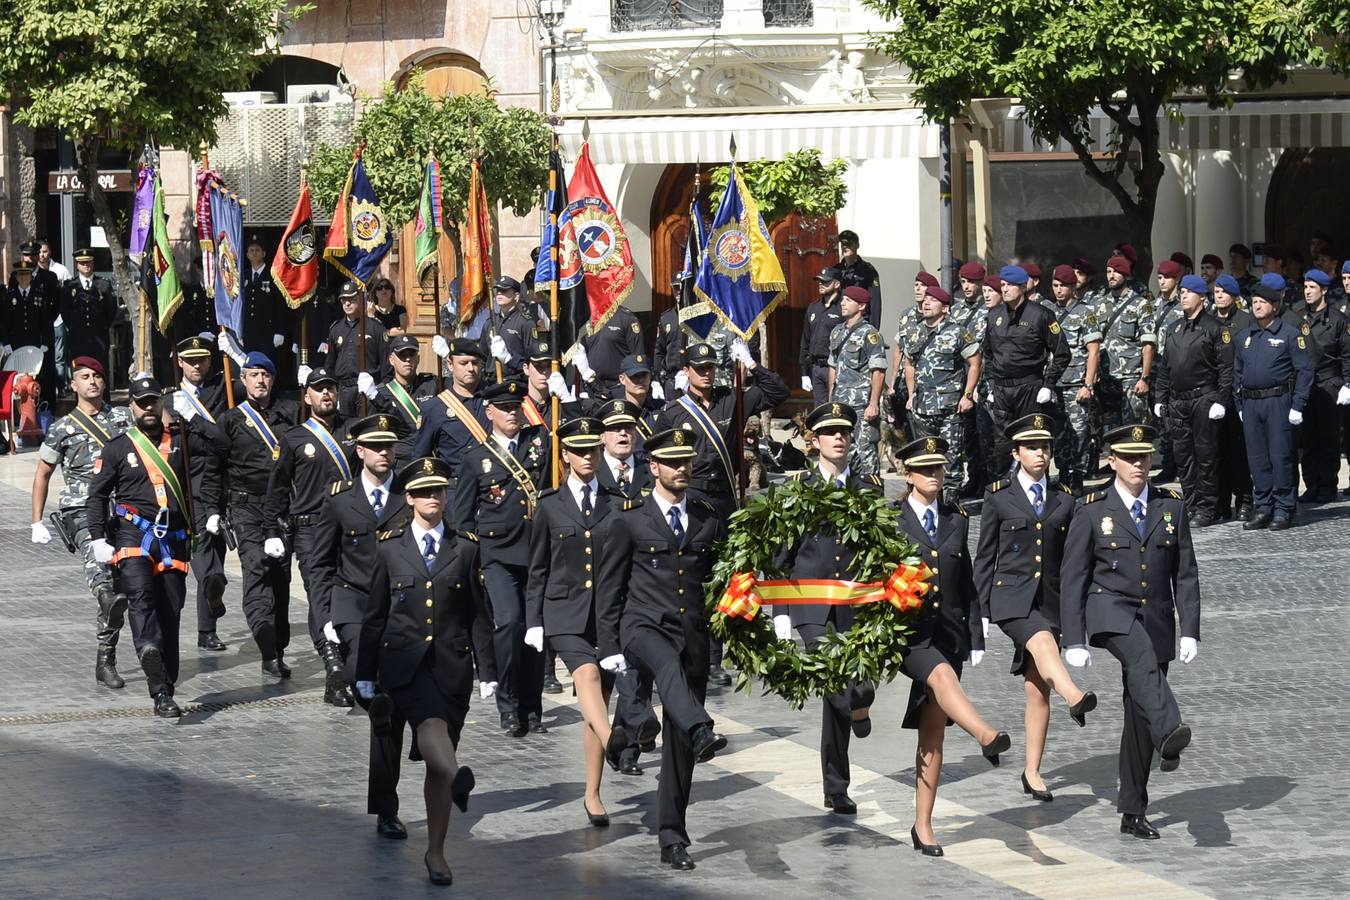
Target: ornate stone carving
(848, 78)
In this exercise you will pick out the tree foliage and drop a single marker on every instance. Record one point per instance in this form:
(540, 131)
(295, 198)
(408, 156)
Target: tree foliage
(800, 183)
(1064, 58)
(405, 124)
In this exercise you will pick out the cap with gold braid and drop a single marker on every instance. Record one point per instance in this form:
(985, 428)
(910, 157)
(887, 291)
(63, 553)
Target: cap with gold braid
(194, 347)
(426, 473)
(672, 444)
(1035, 427)
(376, 429)
(581, 434)
(619, 413)
(832, 415)
(1132, 440)
(926, 451)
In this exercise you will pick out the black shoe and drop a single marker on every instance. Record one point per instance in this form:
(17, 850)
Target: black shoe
(535, 722)
(630, 767)
(648, 732)
(1177, 740)
(461, 786)
(1202, 520)
(600, 821)
(105, 670)
(152, 664)
(842, 804)
(618, 742)
(390, 827)
(510, 722)
(1257, 522)
(1079, 710)
(677, 857)
(1326, 496)
(926, 849)
(719, 676)
(1043, 796)
(999, 744)
(165, 708)
(438, 878)
(706, 743)
(861, 727)
(1280, 523)
(207, 640)
(1139, 827)
(272, 667)
(284, 669)
(552, 685)
(1244, 511)
(1309, 496)
(339, 696)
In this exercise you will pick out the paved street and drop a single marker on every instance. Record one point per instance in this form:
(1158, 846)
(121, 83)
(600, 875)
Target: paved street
(260, 791)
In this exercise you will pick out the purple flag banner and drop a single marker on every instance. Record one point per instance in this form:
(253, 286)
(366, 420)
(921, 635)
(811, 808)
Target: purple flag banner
(140, 210)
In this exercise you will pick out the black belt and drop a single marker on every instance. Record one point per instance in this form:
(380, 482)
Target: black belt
(243, 498)
(1262, 393)
(1015, 382)
(820, 360)
(1195, 393)
(312, 519)
(711, 486)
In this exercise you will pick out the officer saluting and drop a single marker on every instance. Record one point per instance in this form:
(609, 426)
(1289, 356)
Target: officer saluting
(403, 394)
(1128, 563)
(142, 471)
(87, 309)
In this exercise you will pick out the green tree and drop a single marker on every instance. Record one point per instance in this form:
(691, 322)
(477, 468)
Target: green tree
(118, 74)
(1064, 58)
(800, 183)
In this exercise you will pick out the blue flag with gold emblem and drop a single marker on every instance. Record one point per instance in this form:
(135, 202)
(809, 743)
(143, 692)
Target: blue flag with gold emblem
(740, 275)
(359, 236)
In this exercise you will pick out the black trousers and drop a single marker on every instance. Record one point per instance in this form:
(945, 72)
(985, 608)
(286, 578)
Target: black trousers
(1195, 445)
(154, 609)
(386, 750)
(1151, 713)
(682, 695)
(632, 708)
(305, 548)
(484, 659)
(836, 726)
(1319, 436)
(208, 568)
(820, 383)
(267, 582)
(1009, 404)
(725, 505)
(1235, 480)
(520, 669)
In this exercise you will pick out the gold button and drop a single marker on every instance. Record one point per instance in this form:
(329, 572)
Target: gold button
(680, 591)
(586, 534)
(998, 584)
(937, 606)
(428, 603)
(1038, 559)
(838, 559)
(428, 584)
(1114, 545)
(526, 517)
(588, 567)
(1038, 526)
(588, 582)
(1036, 574)
(588, 551)
(682, 609)
(1143, 567)
(1143, 601)
(933, 552)
(1038, 542)
(1144, 585)
(428, 638)
(935, 570)
(677, 571)
(651, 549)
(428, 621)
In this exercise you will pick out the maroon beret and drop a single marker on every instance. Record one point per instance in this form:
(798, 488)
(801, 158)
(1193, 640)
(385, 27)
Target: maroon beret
(1033, 271)
(1082, 265)
(939, 295)
(1181, 259)
(1170, 268)
(1121, 264)
(1127, 251)
(926, 279)
(88, 362)
(857, 294)
(1209, 259)
(972, 271)
(994, 282)
(1065, 275)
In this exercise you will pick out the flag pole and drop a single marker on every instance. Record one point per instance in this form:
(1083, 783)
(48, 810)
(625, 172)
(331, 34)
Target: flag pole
(738, 387)
(553, 305)
(436, 299)
(361, 351)
(227, 375)
(304, 314)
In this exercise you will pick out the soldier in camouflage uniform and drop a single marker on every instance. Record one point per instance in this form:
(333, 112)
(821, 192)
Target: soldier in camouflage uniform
(1168, 312)
(74, 443)
(1076, 445)
(899, 393)
(857, 375)
(942, 368)
(1127, 322)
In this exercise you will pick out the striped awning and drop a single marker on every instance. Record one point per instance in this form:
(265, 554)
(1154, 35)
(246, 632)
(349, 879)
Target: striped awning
(1256, 124)
(853, 134)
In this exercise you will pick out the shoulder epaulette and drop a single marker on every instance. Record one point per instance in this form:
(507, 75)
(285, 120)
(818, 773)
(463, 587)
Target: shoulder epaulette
(1094, 497)
(960, 510)
(392, 533)
(469, 535)
(797, 476)
(1063, 488)
(340, 486)
(547, 493)
(633, 503)
(1169, 492)
(998, 486)
(874, 480)
(704, 504)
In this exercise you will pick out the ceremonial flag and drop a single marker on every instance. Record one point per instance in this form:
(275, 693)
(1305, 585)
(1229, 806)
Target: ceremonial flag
(295, 266)
(476, 239)
(574, 312)
(593, 247)
(227, 239)
(740, 275)
(140, 211)
(359, 236)
(698, 316)
(429, 225)
(159, 273)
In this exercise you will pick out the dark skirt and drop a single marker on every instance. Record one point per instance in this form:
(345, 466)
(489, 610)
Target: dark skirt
(577, 650)
(919, 663)
(433, 694)
(1022, 630)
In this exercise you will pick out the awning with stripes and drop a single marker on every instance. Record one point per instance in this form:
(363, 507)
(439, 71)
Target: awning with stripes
(852, 134)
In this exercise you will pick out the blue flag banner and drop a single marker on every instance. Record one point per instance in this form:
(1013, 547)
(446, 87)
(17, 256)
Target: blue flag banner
(698, 316)
(227, 227)
(359, 236)
(740, 275)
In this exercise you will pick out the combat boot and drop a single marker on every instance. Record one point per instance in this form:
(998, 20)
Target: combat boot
(335, 690)
(112, 608)
(105, 669)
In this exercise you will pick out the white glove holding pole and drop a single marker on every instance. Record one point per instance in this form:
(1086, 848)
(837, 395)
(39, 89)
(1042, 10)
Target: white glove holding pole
(366, 689)
(1158, 410)
(681, 381)
(40, 534)
(230, 347)
(1078, 657)
(278, 340)
(615, 663)
(1217, 411)
(1190, 649)
(366, 385)
(1343, 396)
(274, 547)
(583, 364)
(1295, 417)
(782, 627)
(557, 386)
(499, 351)
(1045, 395)
(302, 374)
(806, 382)
(534, 637)
(103, 551)
(740, 352)
(213, 524)
(295, 348)
(440, 346)
(976, 657)
(331, 633)
(183, 406)
(658, 392)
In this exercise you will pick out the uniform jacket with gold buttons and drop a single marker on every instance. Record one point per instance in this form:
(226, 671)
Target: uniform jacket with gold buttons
(491, 505)
(1111, 576)
(87, 316)
(565, 593)
(1017, 561)
(416, 611)
(346, 552)
(949, 619)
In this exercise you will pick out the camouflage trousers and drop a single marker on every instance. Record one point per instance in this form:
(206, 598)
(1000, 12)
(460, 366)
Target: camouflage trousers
(863, 459)
(111, 608)
(1079, 438)
(950, 426)
(1120, 405)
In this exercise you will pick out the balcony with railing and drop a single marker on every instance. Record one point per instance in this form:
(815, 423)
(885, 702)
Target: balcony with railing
(671, 15)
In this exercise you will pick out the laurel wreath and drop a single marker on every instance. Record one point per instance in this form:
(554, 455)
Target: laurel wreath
(780, 518)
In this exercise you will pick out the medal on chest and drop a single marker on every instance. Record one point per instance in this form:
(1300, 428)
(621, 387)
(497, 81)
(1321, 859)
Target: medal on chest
(1167, 523)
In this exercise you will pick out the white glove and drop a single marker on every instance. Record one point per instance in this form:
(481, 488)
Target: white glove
(557, 386)
(1295, 417)
(42, 347)
(302, 374)
(366, 689)
(1078, 657)
(740, 352)
(7, 349)
(486, 689)
(230, 347)
(806, 382)
(40, 534)
(183, 406)
(658, 392)
(103, 551)
(366, 384)
(331, 633)
(534, 637)
(782, 627)
(295, 348)
(278, 340)
(498, 348)
(615, 663)
(323, 348)
(213, 524)
(274, 547)
(984, 625)
(1190, 649)
(440, 346)
(1045, 395)
(1343, 396)
(1216, 411)
(681, 381)
(1239, 415)
(1157, 410)
(976, 657)
(583, 364)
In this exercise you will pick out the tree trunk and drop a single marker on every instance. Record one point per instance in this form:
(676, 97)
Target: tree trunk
(87, 149)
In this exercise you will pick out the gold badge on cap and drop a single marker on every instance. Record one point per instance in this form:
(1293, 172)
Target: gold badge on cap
(679, 438)
(639, 358)
(429, 466)
(1137, 434)
(838, 409)
(585, 427)
(384, 423)
(1038, 421)
(930, 445)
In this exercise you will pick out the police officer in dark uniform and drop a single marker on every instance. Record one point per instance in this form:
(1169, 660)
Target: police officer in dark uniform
(248, 443)
(88, 310)
(446, 430)
(1235, 480)
(403, 394)
(263, 317)
(635, 379)
(601, 353)
(1321, 432)
(512, 333)
(1024, 355)
(1193, 383)
(623, 467)
(314, 455)
(1272, 380)
(666, 354)
(821, 317)
(197, 314)
(1128, 564)
(824, 555)
(659, 561)
(345, 557)
(854, 270)
(26, 319)
(142, 472)
(355, 374)
(495, 497)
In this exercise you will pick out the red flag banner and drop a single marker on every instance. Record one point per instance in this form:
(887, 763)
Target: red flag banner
(476, 239)
(592, 244)
(295, 267)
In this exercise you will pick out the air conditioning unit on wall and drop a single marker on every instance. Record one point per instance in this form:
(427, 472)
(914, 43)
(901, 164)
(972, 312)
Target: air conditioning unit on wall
(249, 98)
(316, 93)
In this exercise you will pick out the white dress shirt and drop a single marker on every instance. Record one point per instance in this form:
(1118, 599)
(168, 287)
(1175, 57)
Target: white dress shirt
(369, 487)
(666, 506)
(833, 479)
(575, 485)
(1025, 480)
(420, 533)
(613, 463)
(920, 509)
(1128, 499)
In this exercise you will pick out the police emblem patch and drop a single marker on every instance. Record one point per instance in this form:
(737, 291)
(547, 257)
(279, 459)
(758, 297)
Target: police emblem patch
(384, 423)
(999, 322)
(300, 245)
(1108, 525)
(487, 465)
(1247, 342)
(679, 438)
(874, 338)
(309, 449)
(1227, 338)
(131, 460)
(1301, 344)
(368, 226)
(1054, 328)
(1306, 330)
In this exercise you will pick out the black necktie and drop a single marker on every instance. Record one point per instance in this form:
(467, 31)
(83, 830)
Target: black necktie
(586, 507)
(676, 525)
(377, 502)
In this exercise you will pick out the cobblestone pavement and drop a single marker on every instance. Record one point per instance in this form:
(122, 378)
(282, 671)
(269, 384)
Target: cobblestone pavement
(260, 791)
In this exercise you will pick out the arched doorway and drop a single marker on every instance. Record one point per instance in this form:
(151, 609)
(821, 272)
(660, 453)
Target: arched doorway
(1309, 193)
